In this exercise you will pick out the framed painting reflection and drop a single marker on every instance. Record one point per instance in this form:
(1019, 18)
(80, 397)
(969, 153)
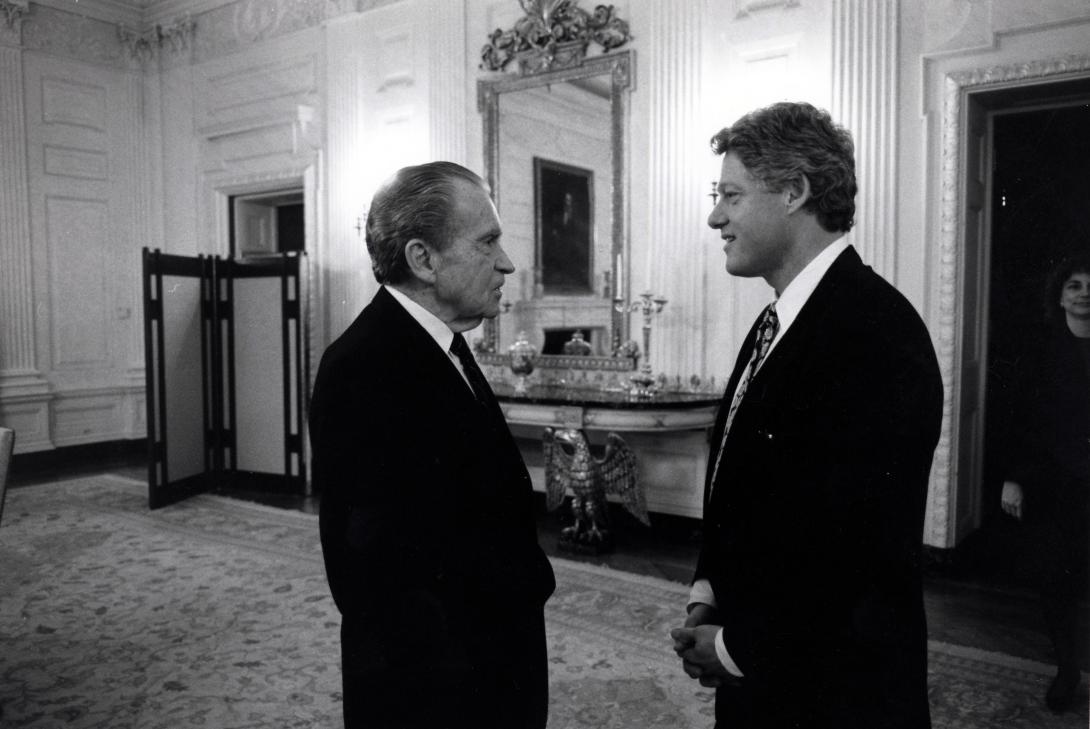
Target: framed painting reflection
(564, 227)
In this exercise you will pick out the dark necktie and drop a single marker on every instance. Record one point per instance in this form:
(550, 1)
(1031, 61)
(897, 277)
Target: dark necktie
(766, 332)
(473, 373)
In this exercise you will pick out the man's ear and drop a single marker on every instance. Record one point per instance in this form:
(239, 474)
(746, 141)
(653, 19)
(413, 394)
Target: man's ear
(796, 193)
(421, 260)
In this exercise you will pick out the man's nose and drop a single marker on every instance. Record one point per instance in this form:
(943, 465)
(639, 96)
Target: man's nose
(503, 263)
(716, 219)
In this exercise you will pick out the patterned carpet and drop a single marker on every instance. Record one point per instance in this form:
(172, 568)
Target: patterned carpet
(215, 613)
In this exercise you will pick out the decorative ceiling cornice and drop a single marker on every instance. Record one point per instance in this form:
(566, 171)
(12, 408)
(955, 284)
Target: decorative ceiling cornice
(110, 11)
(13, 10)
(143, 45)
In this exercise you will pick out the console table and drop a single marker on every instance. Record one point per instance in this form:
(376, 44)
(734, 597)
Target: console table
(668, 432)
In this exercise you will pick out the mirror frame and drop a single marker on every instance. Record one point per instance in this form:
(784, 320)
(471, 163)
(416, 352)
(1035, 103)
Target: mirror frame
(620, 66)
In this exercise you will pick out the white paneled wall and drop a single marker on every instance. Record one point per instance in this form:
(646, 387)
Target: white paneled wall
(81, 173)
(108, 145)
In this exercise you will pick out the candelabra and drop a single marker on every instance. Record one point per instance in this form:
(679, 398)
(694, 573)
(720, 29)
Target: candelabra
(643, 382)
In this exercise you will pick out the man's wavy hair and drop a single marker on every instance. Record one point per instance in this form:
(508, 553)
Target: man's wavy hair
(783, 142)
(416, 202)
(1054, 284)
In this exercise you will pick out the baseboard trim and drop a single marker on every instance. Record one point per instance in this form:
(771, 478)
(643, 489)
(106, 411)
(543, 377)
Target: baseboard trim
(103, 453)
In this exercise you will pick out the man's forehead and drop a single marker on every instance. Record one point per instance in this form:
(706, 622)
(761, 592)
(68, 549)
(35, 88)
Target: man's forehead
(474, 211)
(734, 172)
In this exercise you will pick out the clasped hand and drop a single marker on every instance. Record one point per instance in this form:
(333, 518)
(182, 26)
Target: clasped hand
(695, 645)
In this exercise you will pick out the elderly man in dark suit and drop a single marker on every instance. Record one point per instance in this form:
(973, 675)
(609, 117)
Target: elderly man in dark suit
(426, 516)
(806, 607)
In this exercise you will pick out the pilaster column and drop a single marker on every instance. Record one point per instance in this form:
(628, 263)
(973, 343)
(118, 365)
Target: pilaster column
(18, 366)
(347, 265)
(674, 262)
(865, 53)
(447, 80)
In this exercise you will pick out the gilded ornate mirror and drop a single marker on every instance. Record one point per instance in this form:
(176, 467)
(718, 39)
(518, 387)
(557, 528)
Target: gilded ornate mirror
(554, 151)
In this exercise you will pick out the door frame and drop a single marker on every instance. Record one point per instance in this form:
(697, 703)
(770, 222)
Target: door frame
(957, 510)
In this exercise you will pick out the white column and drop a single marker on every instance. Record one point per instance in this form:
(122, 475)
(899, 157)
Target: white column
(24, 391)
(865, 54)
(347, 267)
(674, 262)
(18, 367)
(447, 80)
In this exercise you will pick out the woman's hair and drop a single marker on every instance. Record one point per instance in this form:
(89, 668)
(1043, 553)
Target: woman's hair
(416, 202)
(1054, 284)
(783, 142)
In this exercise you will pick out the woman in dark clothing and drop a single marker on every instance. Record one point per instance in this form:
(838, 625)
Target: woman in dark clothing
(1049, 481)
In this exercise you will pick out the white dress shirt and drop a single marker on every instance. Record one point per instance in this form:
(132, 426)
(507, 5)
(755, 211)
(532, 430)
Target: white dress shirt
(788, 306)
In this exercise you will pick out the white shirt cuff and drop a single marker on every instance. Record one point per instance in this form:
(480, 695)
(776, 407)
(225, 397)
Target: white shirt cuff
(701, 591)
(724, 657)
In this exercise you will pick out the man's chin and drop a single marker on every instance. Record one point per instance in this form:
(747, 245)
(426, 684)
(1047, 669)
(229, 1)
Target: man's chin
(740, 269)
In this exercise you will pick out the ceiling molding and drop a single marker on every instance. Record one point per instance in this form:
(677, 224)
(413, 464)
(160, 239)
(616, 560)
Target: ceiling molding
(121, 12)
(135, 13)
(165, 11)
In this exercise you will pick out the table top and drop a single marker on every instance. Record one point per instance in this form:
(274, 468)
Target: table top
(608, 399)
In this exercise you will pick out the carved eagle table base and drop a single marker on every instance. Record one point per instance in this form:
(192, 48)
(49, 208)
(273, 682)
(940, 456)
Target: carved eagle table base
(570, 466)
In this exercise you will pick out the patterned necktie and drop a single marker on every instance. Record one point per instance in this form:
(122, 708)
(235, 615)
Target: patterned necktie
(473, 373)
(766, 332)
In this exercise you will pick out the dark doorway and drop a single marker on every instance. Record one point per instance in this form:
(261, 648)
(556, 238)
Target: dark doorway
(267, 223)
(1040, 212)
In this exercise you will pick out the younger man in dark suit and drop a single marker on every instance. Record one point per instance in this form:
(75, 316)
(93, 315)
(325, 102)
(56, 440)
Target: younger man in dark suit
(426, 516)
(806, 607)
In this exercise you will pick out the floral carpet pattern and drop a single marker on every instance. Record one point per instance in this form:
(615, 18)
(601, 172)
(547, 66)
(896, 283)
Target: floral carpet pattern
(215, 613)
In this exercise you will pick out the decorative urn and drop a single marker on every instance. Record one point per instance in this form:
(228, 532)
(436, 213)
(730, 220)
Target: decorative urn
(521, 355)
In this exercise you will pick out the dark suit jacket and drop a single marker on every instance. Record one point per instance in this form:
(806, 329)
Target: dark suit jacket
(1050, 458)
(812, 537)
(1051, 455)
(428, 535)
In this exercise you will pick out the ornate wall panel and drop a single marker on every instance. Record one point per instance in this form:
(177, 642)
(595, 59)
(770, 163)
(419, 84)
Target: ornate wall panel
(88, 417)
(72, 162)
(82, 146)
(73, 103)
(268, 87)
(77, 235)
(74, 36)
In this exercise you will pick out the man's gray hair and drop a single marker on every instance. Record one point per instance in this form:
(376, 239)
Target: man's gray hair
(416, 202)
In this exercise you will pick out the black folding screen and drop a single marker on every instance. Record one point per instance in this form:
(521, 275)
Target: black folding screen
(224, 344)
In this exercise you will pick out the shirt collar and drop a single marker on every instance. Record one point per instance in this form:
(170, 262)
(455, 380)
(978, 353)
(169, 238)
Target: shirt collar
(798, 292)
(433, 325)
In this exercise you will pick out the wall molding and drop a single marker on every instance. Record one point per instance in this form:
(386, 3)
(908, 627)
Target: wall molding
(946, 320)
(745, 8)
